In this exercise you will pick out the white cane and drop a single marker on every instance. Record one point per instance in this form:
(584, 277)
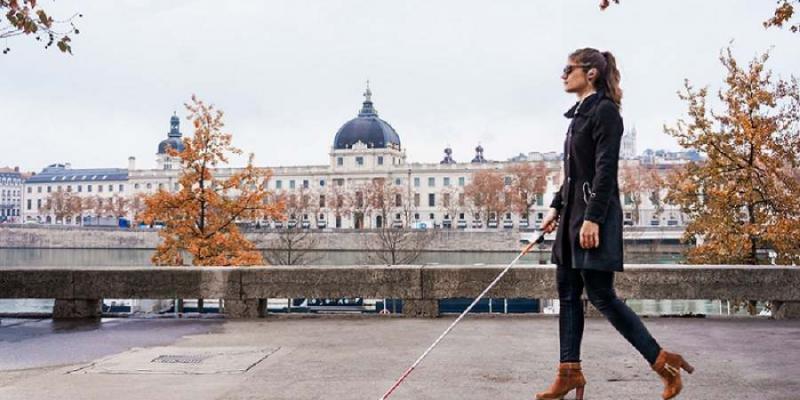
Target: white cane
(449, 328)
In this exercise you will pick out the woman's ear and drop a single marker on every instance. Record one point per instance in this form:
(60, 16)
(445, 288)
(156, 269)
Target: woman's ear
(591, 75)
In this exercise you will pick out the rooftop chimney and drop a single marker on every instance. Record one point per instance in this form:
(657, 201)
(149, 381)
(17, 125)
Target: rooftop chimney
(131, 163)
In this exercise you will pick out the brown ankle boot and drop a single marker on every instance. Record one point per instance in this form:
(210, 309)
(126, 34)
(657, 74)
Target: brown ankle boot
(668, 366)
(569, 377)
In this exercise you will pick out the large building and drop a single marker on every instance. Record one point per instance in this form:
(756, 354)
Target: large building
(365, 149)
(11, 182)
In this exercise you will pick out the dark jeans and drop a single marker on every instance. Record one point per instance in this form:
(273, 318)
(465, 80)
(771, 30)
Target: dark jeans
(600, 290)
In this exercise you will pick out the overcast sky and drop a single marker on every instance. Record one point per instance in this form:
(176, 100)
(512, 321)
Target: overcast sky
(289, 73)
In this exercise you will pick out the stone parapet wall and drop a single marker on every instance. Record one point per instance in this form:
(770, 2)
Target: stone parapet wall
(77, 290)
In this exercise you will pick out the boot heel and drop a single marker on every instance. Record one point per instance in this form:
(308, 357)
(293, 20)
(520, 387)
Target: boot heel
(579, 393)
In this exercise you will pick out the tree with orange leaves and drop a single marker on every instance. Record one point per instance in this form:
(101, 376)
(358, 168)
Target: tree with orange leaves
(200, 217)
(638, 180)
(528, 182)
(746, 196)
(484, 194)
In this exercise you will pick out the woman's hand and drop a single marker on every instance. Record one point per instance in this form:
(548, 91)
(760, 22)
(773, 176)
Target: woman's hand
(590, 235)
(550, 222)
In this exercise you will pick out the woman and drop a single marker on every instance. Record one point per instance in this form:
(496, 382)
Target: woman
(588, 245)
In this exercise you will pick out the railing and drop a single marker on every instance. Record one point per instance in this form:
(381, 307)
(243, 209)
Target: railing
(79, 291)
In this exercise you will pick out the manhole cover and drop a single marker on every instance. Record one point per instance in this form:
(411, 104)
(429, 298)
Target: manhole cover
(172, 359)
(180, 360)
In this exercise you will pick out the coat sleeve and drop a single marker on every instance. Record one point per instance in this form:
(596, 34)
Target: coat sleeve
(558, 201)
(607, 137)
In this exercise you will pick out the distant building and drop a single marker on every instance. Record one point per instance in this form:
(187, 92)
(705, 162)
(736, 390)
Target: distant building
(11, 183)
(537, 156)
(103, 184)
(628, 149)
(364, 149)
(661, 157)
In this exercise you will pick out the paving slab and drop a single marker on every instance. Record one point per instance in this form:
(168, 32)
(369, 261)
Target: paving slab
(335, 357)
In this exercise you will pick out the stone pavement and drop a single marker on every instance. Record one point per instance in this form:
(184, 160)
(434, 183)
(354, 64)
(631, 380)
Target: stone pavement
(340, 358)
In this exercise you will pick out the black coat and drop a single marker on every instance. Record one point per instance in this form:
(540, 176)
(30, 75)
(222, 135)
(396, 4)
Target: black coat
(590, 190)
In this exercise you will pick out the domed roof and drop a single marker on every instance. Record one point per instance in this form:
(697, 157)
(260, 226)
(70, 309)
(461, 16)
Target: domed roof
(366, 128)
(173, 139)
(175, 143)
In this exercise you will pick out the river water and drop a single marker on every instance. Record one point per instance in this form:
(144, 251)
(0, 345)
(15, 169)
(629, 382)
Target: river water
(141, 257)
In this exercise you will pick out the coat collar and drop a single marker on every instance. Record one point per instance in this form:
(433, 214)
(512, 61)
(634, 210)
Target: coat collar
(582, 108)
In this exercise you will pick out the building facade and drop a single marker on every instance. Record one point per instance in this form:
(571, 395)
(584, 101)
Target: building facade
(365, 150)
(11, 184)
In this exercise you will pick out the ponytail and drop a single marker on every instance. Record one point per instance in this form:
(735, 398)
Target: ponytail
(612, 78)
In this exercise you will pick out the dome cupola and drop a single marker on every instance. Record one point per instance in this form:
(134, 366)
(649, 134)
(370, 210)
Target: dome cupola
(173, 139)
(367, 128)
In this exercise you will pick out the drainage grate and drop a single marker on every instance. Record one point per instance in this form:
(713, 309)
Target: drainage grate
(175, 359)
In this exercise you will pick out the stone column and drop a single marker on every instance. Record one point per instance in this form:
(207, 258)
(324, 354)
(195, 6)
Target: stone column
(77, 308)
(425, 308)
(246, 308)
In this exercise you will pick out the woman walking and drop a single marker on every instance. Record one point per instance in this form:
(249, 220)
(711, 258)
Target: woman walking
(587, 214)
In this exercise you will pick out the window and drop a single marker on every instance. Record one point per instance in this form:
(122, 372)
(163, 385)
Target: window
(431, 182)
(49, 189)
(628, 199)
(278, 184)
(322, 183)
(160, 186)
(398, 181)
(80, 188)
(177, 187)
(291, 184)
(416, 199)
(380, 160)
(359, 160)
(110, 188)
(431, 199)
(148, 186)
(29, 189)
(416, 182)
(136, 186)
(416, 216)
(305, 183)
(446, 181)
(446, 199)
(359, 199)
(29, 204)
(99, 188)
(507, 181)
(339, 182)
(69, 188)
(39, 203)
(121, 187)
(540, 199)
(430, 216)
(461, 181)
(461, 199)
(38, 189)
(89, 188)
(398, 200)
(322, 200)
(339, 161)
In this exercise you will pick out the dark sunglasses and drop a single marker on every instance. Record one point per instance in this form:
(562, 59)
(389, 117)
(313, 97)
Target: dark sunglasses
(571, 67)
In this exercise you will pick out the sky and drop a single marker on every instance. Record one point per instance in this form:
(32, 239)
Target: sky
(289, 73)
